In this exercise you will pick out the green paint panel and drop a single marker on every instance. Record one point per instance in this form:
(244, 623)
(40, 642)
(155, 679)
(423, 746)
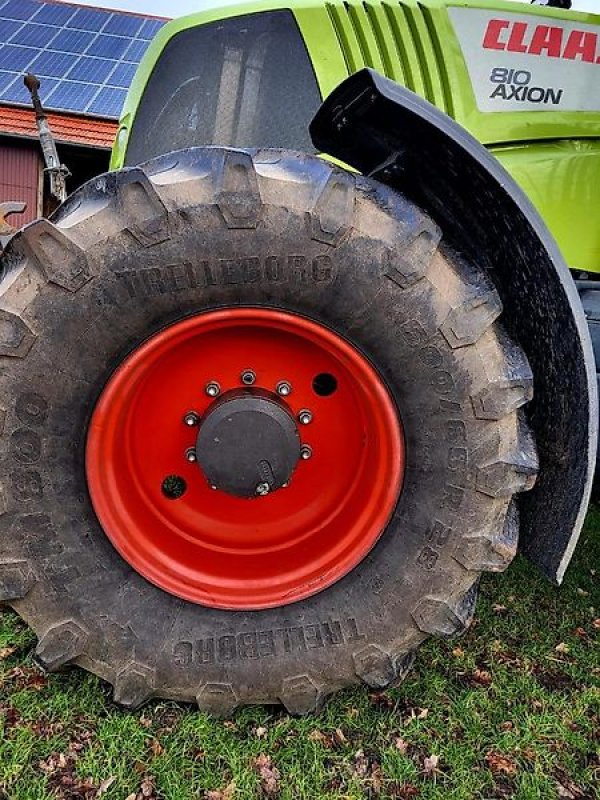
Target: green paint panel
(554, 155)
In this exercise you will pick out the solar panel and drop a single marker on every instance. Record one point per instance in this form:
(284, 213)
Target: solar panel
(150, 28)
(69, 41)
(6, 78)
(91, 70)
(85, 57)
(123, 25)
(8, 28)
(16, 59)
(136, 50)
(20, 9)
(108, 46)
(34, 35)
(71, 94)
(108, 102)
(17, 93)
(89, 19)
(54, 13)
(52, 65)
(122, 75)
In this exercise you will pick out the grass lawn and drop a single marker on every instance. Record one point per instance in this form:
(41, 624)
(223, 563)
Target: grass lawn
(511, 710)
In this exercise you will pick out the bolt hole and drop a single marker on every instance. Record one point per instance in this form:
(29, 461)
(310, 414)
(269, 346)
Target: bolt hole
(173, 487)
(324, 384)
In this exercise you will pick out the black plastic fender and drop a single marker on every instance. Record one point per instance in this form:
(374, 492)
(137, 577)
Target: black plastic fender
(386, 131)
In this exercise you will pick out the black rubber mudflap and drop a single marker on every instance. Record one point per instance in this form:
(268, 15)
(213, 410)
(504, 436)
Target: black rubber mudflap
(388, 132)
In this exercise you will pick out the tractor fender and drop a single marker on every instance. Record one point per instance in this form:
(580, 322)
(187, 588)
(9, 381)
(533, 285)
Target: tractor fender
(385, 131)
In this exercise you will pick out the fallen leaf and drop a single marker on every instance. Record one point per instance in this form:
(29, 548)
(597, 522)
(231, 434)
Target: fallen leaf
(339, 737)
(596, 624)
(361, 763)
(430, 765)
(458, 652)
(269, 775)
(145, 722)
(499, 609)
(221, 794)
(481, 677)
(562, 648)
(156, 747)
(582, 592)
(320, 737)
(130, 797)
(147, 788)
(403, 791)
(105, 786)
(500, 764)
(5, 652)
(261, 732)
(401, 745)
(423, 713)
(507, 726)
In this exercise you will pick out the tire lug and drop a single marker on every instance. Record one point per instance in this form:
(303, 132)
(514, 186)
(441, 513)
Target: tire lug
(305, 416)
(191, 419)
(283, 388)
(305, 452)
(212, 389)
(248, 377)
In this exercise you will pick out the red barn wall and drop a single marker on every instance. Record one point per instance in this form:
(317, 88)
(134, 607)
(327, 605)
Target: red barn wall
(20, 179)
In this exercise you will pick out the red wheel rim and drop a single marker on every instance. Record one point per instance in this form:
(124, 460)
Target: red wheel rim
(215, 548)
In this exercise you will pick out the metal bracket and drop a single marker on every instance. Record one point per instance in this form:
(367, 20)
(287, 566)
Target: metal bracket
(7, 231)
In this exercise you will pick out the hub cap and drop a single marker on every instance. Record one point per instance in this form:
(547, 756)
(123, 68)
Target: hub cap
(244, 458)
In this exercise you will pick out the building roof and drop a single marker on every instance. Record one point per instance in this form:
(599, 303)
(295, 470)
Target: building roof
(85, 57)
(66, 128)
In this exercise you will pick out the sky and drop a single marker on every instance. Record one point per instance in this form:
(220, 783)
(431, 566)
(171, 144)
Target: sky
(170, 8)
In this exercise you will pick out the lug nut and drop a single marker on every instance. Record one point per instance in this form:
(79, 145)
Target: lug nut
(248, 377)
(191, 419)
(190, 455)
(212, 389)
(262, 489)
(213, 487)
(283, 388)
(305, 452)
(305, 416)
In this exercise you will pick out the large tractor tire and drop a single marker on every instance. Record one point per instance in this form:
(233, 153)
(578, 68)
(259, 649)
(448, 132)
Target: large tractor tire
(262, 431)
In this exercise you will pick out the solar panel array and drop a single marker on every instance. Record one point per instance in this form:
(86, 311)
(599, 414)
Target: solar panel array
(84, 57)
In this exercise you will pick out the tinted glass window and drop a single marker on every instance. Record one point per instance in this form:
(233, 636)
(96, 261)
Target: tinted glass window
(242, 82)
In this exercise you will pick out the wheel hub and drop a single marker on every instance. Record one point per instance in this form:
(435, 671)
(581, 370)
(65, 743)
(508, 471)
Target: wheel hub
(248, 444)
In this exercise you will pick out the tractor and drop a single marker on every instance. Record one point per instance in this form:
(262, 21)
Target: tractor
(279, 387)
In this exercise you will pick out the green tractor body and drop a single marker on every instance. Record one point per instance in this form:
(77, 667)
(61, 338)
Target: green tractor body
(523, 80)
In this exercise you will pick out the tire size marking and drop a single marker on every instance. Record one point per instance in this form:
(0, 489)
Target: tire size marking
(26, 447)
(441, 531)
(266, 643)
(185, 276)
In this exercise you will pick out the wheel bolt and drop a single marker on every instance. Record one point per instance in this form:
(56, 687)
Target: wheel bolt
(305, 416)
(262, 489)
(305, 452)
(283, 388)
(191, 419)
(248, 377)
(212, 389)
(190, 455)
